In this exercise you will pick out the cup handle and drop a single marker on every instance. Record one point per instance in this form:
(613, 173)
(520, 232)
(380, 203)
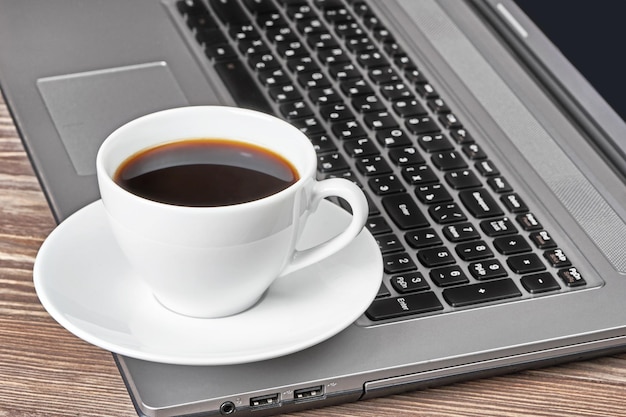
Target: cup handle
(334, 187)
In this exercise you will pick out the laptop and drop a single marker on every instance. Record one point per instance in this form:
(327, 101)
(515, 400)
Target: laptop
(493, 167)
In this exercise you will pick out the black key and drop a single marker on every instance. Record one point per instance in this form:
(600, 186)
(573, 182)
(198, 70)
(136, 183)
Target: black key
(487, 269)
(419, 175)
(434, 143)
(514, 203)
(511, 245)
(487, 168)
(461, 136)
(409, 107)
(450, 121)
(331, 163)
(389, 308)
(386, 184)
(368, 103)
(448, 275)
(414, 75)
(398, 262)
(302, 64)
(242, 86)
(371, 59)
(284, 93)
(447, 161)
(529, 222)
(383, 291)
(432, 194)
(336, 111)
(409, 282)
(309, 125)
(389, 243)
(383, 75)
(344, 71)
(314, 79)
(361, 147)
(422, 238)
(439, 256)
(380, 120)
(273, 77)
(499, 184)
(426, 90)
(474, 152)
(393, 137)
(220, 52)
(375, 165)
(526, 263)
(438, 106)
(322, 142)
(295, 110)
(462, 179)
(421, 125)
(322, 96)
(480, 203)
(473, 251)
(498, 227)
(406, 156)
(263, 62)
(404, 212)
(481, 293)
(260, 6)
(542, 240)
(446, 213)
(377, 225)
(356, 87)
(332, 55)
(348, 129)
(460, 232)
(396, 91)
(538, 283)
(229, 11)
(571, 277)
(557, 258)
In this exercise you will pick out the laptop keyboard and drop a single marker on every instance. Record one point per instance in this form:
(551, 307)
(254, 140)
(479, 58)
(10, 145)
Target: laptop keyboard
(452, 230)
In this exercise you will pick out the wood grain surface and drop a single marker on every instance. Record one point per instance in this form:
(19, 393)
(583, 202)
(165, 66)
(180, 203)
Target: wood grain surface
(46, 371)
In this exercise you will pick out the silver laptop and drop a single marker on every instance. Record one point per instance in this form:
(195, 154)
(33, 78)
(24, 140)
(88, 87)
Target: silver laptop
(494, 170)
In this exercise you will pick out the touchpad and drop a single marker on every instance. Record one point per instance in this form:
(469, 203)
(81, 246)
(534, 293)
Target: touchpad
(86, 107)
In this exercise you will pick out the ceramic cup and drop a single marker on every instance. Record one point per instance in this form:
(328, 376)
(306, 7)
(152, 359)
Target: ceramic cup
(218, 261)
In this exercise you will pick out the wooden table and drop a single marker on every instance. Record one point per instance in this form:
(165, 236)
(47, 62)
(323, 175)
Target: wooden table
(46, 371)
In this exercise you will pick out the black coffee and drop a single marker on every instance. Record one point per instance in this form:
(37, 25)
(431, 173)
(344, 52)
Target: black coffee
(205, 173)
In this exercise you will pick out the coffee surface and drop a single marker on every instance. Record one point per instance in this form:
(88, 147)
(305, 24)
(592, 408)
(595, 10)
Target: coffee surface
(205, 173)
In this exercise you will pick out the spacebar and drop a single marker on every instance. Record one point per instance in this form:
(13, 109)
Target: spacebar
(242, 86)
(481, 293)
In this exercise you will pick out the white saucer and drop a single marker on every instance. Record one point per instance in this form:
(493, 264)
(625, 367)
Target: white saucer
(84, 282)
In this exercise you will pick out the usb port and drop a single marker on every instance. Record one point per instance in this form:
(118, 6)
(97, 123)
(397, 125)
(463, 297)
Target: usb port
(265, 400)
(311, 392)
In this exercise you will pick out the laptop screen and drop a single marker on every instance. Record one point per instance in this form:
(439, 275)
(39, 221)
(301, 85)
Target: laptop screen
(589, 34)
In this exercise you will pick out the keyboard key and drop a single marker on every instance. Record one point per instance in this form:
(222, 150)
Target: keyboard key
(406, 156)
(538, 283)
(434, 143)
(377, 225)
(361, 147)
(447, 161)
(499, 185)
(486, 168)
(480, 204)
(460, 232)
(409, 282)
(511, 245)
(375, 165)
(393, 137)
(419, 175)
(448, 276)
(242, 86)
(462, 179)
(389, 243)
(229, 12)
(389, 308)
(422, 238)
(524, 264)
(542, 240)
(571, 277)
(498, 227)
(473, 251)
(432, 193)
(557, 258)
(439, 256)
(398, 262)
(404, 212)
(487, 269)
(331, 163)
(483, 292)
(446, 213)
(514, 203)
(386, 184)
(528, 222)
(421, 125)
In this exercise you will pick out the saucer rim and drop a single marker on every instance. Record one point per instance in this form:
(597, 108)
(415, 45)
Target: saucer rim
(56, 311)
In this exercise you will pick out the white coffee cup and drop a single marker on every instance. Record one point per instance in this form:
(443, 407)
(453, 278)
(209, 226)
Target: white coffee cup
(217, 261)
